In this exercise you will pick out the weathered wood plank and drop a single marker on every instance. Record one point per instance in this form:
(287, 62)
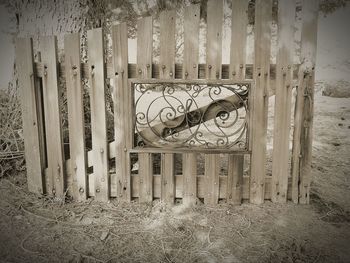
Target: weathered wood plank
(234, 190)
(144, 47)
(167, 61)
(302, 137)
(167, 44)
(123, 110)
(167, 178)
(283, 100)
(30, 115)
(146, 178)
(238, 39)
(98, 114)
(259, 99)
(214, 39)
(189, 171)
(53, 126)
(212, 169)
(191, 42)
(76, 116)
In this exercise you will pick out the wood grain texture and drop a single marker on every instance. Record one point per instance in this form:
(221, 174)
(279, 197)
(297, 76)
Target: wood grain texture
(76, 116)
(167, 178)
(122, 102)
(191, 42)
(144, 47)
(212, 169)
(189, 171)
(259, 99)
(30, 115)
(234, 193)
(283, 100)
(167, 44)
(53, 126)
(238, 39)
(146, 178)
(98, 114)
(302, 137)
(214, 39)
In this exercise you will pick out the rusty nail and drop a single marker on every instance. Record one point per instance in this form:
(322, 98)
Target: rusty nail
(163, 67)
(170, 73)
(233, 73)
(194, 65)
(148, 65)
(97, 190)
(81, 190)
(140, 71)
(54, 191)
(186, 73)
(209, 66)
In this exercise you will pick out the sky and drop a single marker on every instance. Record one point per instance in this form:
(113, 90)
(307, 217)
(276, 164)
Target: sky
(333, 50)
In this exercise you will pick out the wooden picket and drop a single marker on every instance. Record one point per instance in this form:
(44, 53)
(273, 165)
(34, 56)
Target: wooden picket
(49, 172)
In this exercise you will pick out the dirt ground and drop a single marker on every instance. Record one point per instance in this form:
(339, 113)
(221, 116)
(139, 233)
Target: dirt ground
(38, 229)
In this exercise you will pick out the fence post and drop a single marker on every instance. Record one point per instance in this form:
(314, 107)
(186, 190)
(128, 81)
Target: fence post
(302, 137)
(53, 123)
(98, 114)
(30, 115)
(283, 101)
(260, 99)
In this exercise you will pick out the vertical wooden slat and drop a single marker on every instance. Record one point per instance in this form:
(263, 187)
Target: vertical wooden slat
(213, 71)
(302, 137)
(76, 116)
(234, 193)
(214, 38)
(211, 173)
(167, 71)
(283, 100)
(167, 178)
(144, 65)
(146, 177)
(189, 168)
(237, 72)
(191, 42)
(144, 47)
(30, 115)
(53, 126)
(238, 39)
(262, 45)
(123, 109)
(167, 44)
(190, 71)
(98, 114)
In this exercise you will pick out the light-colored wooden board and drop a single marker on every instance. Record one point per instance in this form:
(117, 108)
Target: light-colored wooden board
(53, 124)
(144, 47)
(167, 178)
(303, 121)
(238, 39)
(212, 173)
(167, 44)
(146, 178)
(30, 115)
(98, 114)
(214, 38)
(191, 42)
(189, 171)
(123, 109)
(76, 116)
(283, 100)
(259, 99)
(235, 179)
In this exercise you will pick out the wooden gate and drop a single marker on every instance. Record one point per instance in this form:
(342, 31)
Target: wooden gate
(166, 109)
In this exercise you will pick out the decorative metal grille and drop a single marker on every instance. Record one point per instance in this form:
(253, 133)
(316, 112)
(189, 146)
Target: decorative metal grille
(191, 115)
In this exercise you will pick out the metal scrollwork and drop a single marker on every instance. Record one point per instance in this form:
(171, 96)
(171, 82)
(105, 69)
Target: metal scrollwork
(173, 115)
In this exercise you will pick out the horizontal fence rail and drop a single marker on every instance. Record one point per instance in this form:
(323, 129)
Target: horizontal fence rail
(178, 132)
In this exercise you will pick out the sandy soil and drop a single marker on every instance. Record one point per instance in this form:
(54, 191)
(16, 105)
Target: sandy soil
(37, 229)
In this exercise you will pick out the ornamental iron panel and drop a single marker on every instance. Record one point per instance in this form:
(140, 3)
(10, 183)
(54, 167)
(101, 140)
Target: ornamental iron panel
(192, 115)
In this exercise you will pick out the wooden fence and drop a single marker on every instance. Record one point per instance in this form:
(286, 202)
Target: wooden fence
(88, 173)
